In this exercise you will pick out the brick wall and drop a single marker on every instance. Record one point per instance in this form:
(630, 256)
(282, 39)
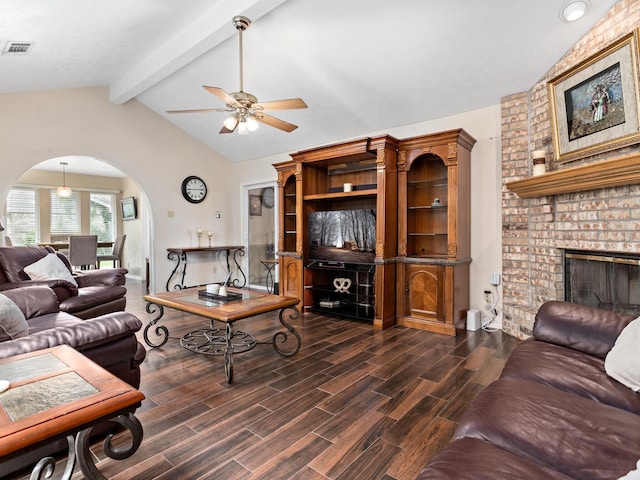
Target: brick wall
(534, 230)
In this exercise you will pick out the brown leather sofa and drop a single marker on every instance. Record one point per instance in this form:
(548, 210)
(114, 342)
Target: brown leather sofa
(554, 413)
(109, 340)
(98, 291)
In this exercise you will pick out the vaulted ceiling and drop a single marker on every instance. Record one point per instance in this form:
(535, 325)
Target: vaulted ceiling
(361, 66)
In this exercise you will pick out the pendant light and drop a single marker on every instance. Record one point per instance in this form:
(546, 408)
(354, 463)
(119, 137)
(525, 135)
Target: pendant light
(64, 191)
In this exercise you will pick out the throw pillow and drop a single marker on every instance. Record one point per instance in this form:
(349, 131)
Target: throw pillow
(48, 268)
(12, 322)
(623, 362)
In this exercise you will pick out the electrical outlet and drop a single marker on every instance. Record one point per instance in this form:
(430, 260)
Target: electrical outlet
(495, 279)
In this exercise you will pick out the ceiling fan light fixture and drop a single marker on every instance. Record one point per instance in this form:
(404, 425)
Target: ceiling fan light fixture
(243, 128)
(231, 122)
(252, 124)
(574, 10)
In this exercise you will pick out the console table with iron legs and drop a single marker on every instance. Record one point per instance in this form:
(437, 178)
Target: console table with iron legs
(179, 256)
(224, 340)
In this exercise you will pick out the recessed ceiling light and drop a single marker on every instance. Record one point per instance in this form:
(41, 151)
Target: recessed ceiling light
(574, 10)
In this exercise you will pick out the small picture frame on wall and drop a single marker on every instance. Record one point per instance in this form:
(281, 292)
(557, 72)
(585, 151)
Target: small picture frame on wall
(255, 205)
(594, 105)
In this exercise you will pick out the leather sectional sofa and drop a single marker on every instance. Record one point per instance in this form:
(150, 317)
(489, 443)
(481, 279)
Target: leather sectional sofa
(554, 413)
(97, 291)
(109, 340)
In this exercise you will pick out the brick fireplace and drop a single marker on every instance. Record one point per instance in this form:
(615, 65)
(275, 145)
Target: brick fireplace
(564, 212)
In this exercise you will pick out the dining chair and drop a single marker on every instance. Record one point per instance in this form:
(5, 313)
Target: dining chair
(116, 253)
(83, 251)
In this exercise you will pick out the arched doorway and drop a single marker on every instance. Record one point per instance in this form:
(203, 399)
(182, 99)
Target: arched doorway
(98, 187)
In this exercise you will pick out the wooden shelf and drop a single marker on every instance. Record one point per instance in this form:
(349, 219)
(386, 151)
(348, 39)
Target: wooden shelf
(427, 207)
(334, 195)
(614, 172)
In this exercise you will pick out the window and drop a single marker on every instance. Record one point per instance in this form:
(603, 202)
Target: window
(65, 214)
(22, 216)
(102, 206)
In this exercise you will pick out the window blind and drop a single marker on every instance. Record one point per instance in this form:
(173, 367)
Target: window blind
(102, 206)
(65, 214)
(22, 216)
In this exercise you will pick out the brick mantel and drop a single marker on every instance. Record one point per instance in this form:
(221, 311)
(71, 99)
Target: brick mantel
(614, 172)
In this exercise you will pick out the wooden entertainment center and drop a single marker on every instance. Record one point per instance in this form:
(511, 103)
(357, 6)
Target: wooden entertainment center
(417, 190)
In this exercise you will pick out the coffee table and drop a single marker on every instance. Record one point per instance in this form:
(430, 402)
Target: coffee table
(59, 393)
(223, 341)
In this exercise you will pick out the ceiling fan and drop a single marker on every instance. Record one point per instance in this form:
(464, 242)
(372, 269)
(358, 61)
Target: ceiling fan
(245, 108)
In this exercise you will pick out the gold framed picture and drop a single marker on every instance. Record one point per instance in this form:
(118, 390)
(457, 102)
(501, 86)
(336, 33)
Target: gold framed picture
(594, 105)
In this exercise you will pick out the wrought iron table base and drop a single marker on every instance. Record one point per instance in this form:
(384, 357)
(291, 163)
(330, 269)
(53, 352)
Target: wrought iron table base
(179, 256)
(270, 282)
(224, 341)
(227, 341)
(79, 451)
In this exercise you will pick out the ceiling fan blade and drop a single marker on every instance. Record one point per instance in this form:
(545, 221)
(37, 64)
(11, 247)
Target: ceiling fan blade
(275, 122)
(288, 104)
(200, 110)
(226, 130)
(222, 95)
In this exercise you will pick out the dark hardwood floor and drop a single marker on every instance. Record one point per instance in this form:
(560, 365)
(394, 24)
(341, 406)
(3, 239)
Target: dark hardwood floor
(354, 403)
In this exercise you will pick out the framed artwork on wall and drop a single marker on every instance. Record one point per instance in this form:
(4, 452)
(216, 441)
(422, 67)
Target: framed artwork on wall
(255, 205)
(594, 105)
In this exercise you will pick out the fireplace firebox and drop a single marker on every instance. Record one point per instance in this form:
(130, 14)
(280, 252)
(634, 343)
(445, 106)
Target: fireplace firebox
(603, 279)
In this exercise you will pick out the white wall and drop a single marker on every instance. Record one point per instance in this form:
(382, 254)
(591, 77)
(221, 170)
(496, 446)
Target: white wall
(36, 126)
(484, 126)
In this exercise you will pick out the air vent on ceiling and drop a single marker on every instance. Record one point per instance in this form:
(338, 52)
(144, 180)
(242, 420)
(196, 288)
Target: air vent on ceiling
(17, 48)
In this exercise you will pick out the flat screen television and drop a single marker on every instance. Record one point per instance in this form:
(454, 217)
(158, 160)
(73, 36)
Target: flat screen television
(343, 235)
(129, 208)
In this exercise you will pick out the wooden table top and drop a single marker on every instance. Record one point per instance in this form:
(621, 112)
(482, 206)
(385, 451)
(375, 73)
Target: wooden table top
(253, 303)
(53, 392)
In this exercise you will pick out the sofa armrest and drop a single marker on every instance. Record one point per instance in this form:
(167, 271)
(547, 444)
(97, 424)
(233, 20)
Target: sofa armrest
(108, 276)
(57, 284)
(89, 333)
(34, 301)
(587, 329)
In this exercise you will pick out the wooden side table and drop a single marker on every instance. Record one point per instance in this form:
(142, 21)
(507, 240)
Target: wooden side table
(59, 393)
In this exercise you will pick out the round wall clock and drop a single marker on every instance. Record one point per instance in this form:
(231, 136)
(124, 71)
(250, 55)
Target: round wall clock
(194, 189)
(268, 197)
